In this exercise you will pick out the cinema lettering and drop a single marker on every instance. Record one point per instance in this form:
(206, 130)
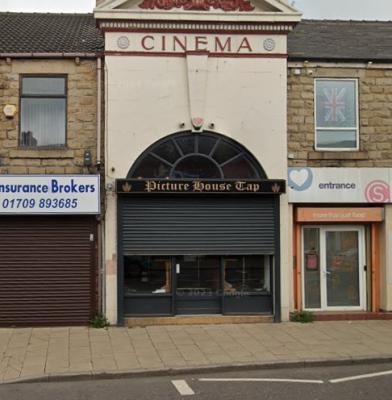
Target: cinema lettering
(194, 171)
(185, 43)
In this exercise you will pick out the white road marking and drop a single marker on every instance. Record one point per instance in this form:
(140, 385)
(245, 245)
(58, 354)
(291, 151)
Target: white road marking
(259, 380)
(183, 388)
(357, 377)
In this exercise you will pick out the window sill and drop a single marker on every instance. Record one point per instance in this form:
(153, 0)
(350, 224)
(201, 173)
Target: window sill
(30, 153)
(338, 155)
(146, 294)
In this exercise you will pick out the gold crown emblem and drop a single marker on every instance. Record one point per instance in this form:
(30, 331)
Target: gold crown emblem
(126, 187)
(275, 188)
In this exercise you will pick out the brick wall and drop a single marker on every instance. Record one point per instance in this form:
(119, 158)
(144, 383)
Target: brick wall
(81, 118)
(375, 117)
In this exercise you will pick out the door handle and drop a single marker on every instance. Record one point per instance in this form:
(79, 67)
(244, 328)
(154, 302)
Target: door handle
(177, 268)
(326, 272)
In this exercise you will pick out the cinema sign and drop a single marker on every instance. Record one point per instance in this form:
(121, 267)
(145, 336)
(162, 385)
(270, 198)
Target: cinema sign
(181, 43)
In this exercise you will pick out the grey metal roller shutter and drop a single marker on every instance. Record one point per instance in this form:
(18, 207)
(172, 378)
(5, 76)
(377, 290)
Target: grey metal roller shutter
(47, 274)
(171, 225)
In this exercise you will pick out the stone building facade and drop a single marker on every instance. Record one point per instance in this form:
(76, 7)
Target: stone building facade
(182, 101)
(375, 110)
(81, 117)
(340, 193)
(50, 156)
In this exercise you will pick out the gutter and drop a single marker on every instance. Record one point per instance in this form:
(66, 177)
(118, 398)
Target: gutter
(310, 59)
(49, 55)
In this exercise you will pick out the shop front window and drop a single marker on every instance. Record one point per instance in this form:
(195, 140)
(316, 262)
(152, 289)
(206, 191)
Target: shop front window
(312, 267)
(196, 166)
(147, 275)
(244, 274)
(198, 275)
(342, 268)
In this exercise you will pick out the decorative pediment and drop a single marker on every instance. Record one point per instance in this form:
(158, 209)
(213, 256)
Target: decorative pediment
(198, 5)
(277, 7)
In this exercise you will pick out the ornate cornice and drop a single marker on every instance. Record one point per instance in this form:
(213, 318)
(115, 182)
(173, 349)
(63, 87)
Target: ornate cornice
(199, 26)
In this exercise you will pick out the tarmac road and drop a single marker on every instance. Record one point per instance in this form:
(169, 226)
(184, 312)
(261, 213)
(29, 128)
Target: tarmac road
(371, 381)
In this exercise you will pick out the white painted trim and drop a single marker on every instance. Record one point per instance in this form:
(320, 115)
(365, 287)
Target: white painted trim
(110, 4)
(342, 64)
(357, 377)
(195, 16)
(361, 264)
(280, 5)
(322, 267)
(183, 388)
(347, 65)
(260, 380)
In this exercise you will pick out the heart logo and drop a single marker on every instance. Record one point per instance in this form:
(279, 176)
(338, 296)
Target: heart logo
(300, 179)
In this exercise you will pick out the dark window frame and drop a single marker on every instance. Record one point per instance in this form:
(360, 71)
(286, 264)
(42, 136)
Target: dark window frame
(34, 96)
(242, 153)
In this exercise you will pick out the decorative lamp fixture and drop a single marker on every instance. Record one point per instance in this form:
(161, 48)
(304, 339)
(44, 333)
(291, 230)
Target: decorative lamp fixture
(87, 159)
(9, 111)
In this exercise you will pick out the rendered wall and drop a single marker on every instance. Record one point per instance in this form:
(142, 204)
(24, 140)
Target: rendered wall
(148, 98)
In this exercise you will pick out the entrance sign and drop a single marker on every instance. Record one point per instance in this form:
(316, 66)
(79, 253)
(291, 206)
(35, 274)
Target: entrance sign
(195, 186)
(49, 194)
(340, 185)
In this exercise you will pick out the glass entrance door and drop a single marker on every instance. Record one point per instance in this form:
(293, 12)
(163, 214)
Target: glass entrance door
(333, 268)
(199, 283)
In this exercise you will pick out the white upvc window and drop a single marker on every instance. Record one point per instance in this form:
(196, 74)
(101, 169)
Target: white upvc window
(43, 111)
(336, 114)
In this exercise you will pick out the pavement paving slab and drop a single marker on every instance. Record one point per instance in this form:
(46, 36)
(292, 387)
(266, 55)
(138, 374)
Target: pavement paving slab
(73, 352)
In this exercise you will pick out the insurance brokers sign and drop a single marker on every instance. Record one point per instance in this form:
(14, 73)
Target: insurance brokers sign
(49, 194)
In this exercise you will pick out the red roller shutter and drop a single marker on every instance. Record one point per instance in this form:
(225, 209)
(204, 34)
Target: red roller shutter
(47, 270)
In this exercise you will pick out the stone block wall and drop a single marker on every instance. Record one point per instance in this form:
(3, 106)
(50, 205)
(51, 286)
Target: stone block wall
(81, 118)
(375, 117)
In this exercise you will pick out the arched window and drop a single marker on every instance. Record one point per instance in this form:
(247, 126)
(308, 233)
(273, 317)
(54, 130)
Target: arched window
(196, 155)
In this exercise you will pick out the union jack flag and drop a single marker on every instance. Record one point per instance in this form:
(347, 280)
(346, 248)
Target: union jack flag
(335, 105)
